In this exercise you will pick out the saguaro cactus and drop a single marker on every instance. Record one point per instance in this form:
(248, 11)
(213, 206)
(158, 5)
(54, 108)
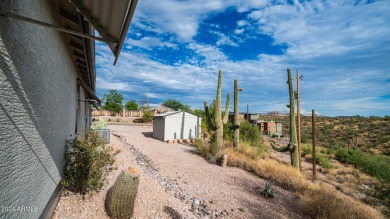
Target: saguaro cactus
(236, 127)
(217, 126)
(292, 147)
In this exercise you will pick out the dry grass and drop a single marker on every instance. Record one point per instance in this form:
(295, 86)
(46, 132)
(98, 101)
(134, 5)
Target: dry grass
(319, 200)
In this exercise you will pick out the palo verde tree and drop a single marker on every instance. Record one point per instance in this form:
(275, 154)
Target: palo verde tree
(292, 147)
(131, 105)
(113, 101)
(176, 105)
(217, 121)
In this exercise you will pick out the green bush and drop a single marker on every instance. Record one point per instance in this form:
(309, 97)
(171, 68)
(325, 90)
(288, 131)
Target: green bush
(120, 198)
(374, 165)
(321, 159)
(210, 151)
(147, 116)
(250, 133)
(324, 161)
(306, 149)
(304, 138)
(228, 131)
(87, 162)
(100, 124)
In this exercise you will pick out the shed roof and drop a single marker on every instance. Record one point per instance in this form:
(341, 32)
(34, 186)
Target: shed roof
(172, 113)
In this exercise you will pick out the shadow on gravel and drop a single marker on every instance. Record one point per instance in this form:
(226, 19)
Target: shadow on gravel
(148, 134)
(172, 213)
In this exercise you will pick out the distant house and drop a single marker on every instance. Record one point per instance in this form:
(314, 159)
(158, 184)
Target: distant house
(270, 127)
(231, 117)
(48, 85)
(251, 117)
(176, 125)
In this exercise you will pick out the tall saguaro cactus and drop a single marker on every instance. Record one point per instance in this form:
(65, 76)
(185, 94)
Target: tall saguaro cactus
(292, 147)
(236, 132)
(219, 121)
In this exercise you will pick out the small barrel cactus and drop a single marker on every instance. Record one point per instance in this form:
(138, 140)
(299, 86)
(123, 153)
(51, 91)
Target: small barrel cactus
(120, 198)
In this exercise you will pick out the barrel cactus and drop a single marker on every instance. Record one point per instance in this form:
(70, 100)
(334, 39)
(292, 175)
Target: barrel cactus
(120, 198)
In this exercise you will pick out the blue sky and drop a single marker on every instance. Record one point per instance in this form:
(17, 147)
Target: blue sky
(174, 49)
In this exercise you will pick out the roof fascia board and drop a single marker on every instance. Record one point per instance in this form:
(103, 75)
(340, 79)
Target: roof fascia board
(125, 28)
(87, 15)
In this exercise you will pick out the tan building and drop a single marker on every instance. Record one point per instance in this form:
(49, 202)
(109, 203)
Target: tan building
(270, 127)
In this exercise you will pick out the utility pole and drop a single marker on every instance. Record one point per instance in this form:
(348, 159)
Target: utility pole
(147, 98)
(247, 112)
(313, 141)
(299, 120)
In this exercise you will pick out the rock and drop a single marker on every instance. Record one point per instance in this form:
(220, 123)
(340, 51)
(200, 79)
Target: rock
(224, 160)
(243, 209)
(196, 201)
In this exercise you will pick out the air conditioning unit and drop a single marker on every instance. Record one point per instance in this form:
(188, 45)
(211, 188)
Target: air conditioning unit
(105, 134)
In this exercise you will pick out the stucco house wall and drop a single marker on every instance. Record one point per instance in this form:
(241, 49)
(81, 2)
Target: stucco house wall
(38, 109)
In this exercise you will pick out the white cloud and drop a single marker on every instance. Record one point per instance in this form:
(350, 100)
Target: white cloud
(223, 39)
(239, 31)
(121, 86)
(242, 23)
(149, 43)
(179, 17)
(317, 28)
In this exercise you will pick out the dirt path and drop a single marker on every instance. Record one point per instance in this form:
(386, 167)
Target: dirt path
(175, 182)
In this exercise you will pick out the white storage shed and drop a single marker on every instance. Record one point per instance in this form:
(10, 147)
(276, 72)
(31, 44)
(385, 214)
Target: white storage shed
(176, 125)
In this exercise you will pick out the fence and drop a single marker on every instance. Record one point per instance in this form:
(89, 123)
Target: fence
(122, 113)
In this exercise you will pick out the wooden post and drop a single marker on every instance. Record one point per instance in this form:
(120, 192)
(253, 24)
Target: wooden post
(299, 122)
(313, 141)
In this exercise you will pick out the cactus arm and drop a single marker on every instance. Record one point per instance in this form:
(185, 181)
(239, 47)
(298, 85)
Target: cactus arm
(208, 117)
(284, 149)
(226, 116)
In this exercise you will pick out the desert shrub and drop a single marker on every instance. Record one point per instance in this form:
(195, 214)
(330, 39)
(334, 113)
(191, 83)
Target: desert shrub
(228, 131)
(324, 161)
(321, 159)
(304, 138)
(250, 151)
(251, 134)
(87, 162)
(100, 124)
(374, 165)
(325, 202)
(306, 149)
(209, 150)
(382, 192)
(121, 196)
(147, 116)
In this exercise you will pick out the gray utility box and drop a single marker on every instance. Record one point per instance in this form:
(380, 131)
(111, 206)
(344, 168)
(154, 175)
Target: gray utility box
(105, 134)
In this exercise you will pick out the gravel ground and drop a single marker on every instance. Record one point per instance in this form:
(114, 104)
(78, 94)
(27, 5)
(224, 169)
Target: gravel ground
(177, 183)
